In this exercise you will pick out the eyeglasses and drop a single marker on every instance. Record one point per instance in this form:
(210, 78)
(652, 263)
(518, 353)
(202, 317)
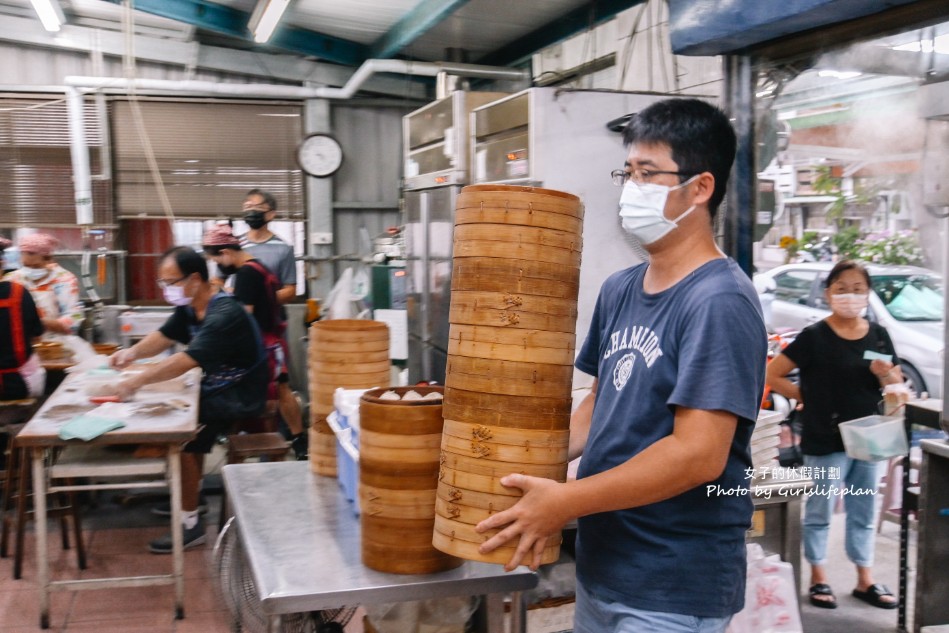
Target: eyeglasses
(164, 283)
(642, 176)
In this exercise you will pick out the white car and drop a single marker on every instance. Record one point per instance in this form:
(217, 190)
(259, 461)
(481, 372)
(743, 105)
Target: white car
(906, 300)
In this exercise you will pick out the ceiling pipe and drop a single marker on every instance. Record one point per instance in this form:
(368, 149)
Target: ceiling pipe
(80, 153)
(362, 74)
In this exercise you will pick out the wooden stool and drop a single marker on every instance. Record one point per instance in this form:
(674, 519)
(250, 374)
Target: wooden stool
(17, 489)
(17, 411)
(244, 446)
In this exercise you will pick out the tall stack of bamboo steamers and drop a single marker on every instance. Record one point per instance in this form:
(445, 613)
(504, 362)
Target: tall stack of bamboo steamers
(507, 397)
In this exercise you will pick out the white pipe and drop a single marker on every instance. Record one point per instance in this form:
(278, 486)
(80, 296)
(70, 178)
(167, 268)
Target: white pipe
(77, 137)
(82, 180)
(358, 78)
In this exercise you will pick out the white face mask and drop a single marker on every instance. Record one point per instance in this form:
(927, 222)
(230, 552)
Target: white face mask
(175, 295)
(35, 274)
(641, 209)
(849, 306)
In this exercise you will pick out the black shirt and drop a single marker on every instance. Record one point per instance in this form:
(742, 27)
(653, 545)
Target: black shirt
(836, 382)
(251, 289)
(224, 342)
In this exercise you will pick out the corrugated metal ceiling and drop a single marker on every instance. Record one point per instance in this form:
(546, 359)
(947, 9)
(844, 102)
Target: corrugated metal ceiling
(349, 31)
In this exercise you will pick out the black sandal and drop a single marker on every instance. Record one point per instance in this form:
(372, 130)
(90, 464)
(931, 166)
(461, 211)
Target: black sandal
(821, 589)
(874, 595)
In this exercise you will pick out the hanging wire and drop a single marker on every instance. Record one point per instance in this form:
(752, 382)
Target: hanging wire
(129, 68)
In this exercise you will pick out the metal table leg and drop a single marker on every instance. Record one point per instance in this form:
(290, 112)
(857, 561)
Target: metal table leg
(518, 613)
(177, 535)
(39, 515)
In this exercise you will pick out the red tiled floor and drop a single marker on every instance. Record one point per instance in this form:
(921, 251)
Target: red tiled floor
(20, 608)
(208, 622)
(125, 610)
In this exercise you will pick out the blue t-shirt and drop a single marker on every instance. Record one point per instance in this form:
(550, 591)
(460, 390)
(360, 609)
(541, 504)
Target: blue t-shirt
(700, 344)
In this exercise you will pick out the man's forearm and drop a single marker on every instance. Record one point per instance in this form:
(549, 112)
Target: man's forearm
(154, 343)
(286, 294)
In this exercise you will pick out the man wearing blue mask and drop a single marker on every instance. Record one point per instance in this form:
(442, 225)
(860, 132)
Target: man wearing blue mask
(677, 346)
(222, 339)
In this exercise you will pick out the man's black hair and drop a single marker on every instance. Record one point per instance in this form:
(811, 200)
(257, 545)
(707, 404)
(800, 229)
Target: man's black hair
(268, 197)
(699, 135)
(188, 261)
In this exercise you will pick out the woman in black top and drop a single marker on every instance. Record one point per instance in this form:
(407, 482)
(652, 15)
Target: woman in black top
(839, 382)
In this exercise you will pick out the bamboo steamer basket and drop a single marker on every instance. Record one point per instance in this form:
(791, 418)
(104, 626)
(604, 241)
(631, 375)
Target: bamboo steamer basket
(507, 386)
(415, 417)
(529, 236)
(322, 453)
(516, 250)
(517, 353)
(342, 356)
(342, 353)
(510, 370)
(524, 453)
(449, 536)
(467, 481)
(406, 559)
(519, 197)
(510, 356)
(467, 532)
(498, 469)
(414, 503)
(343, 330)
(522, 338)
(510, 404)
(484, 274)
(506, 435)
(398, 471)
(499, 309)
(519, 217)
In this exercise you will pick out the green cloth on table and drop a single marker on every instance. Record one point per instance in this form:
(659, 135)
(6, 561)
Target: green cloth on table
(88, 427)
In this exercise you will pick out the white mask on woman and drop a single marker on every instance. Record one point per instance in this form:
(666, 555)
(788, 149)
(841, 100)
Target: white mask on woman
(641, 208)
(849, 306)
(35, 274)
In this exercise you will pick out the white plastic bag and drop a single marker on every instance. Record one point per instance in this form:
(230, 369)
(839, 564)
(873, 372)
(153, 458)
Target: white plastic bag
(339, 303)
(770, 597)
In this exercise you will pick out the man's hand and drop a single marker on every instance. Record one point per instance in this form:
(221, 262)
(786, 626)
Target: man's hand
(122, 358)
(540, 513)
(126, 389)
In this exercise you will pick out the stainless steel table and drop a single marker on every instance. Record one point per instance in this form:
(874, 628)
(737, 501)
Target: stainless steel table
(932, 552)
(302, 543)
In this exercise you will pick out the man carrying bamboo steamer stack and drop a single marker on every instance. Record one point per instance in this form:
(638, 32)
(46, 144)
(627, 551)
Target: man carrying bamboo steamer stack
(677, 347)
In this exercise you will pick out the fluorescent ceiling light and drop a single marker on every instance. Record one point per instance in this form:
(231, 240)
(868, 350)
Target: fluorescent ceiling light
(50, 14)
(265, 18)
(939, 45)
(839, 74)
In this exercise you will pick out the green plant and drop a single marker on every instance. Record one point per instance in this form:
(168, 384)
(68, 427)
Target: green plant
(888, 247)
(845, 240)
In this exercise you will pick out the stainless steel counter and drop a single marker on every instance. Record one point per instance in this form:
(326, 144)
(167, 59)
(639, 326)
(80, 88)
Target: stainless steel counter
(932, 551)
(303, 546)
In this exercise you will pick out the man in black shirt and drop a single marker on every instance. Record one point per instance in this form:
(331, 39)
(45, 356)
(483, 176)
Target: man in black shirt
(225, 342)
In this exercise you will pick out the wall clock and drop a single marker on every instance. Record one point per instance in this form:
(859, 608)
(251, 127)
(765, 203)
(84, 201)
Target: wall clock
(320, 155)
